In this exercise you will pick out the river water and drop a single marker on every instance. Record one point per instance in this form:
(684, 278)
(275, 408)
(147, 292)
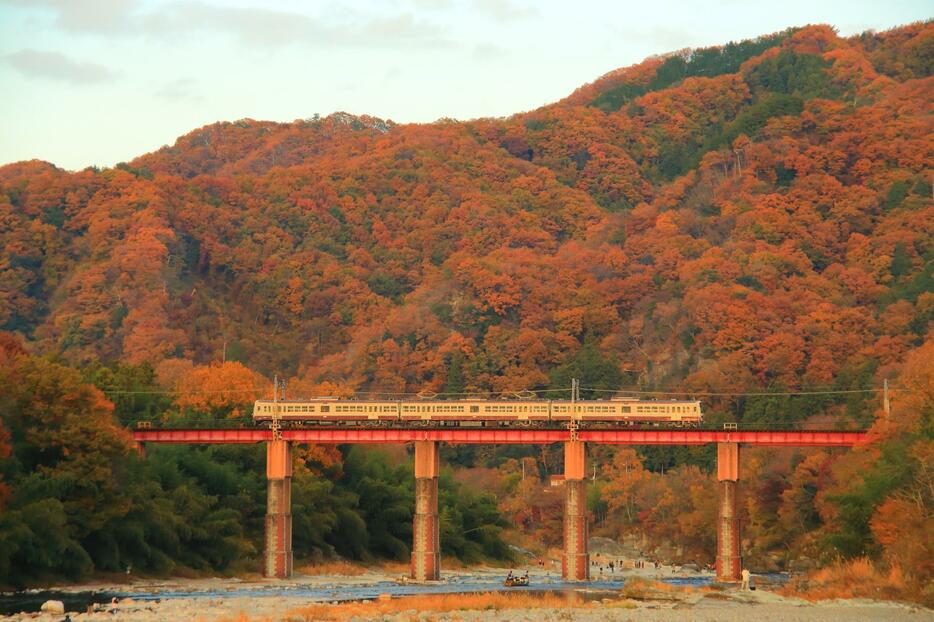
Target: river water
(11, 603)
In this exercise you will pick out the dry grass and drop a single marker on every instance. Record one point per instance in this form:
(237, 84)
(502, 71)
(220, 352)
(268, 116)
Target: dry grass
(857, 578)
(339, 567)
(396, 567)
(343, 567)
(438, 603)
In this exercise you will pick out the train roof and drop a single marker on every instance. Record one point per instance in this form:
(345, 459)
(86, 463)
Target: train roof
(461, 401)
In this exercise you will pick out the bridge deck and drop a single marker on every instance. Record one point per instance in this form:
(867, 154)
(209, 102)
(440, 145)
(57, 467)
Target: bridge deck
(492, 436)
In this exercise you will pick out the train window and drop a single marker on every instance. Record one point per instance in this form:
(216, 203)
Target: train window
(325, 408)
(474, 409)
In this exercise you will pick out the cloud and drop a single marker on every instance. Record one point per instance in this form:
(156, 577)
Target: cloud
(504, 10)
(255, 26)
(273, 28)
(264, 27)
(397, 29)
(86, 16)
(57, 66)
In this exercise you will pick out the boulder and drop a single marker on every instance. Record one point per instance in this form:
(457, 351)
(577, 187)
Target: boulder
(53, 606)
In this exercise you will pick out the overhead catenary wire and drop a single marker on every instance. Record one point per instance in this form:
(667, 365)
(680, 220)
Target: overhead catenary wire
(261, 390)
(267, 390)
(740, 393)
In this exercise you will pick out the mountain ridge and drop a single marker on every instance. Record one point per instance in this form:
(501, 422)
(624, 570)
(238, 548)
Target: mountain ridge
(328, 248)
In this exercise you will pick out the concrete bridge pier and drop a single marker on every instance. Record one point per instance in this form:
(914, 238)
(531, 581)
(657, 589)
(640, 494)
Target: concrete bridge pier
(575, 565)
(729, 558)
(277, 558)
(426, 544)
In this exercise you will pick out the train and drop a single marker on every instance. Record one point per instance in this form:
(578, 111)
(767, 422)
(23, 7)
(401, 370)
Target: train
(619, 411)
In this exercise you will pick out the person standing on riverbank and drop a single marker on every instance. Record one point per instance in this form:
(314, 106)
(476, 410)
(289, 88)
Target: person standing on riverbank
(745, 584)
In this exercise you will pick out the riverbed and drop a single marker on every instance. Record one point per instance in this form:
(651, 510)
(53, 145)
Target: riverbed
(212, 599)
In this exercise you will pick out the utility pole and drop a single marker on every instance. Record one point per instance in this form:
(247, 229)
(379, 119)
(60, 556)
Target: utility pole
(886, 405)
(276, 425)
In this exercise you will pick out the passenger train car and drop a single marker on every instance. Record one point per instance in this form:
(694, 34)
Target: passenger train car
(464, 413)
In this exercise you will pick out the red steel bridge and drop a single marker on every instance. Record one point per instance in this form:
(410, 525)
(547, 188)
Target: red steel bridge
(505, 436)
(426, 549)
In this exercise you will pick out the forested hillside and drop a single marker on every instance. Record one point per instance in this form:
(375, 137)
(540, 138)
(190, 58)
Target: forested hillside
(755, 218)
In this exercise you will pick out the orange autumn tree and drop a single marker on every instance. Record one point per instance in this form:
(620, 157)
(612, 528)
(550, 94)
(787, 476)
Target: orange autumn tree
(903, 522)
(221, 390)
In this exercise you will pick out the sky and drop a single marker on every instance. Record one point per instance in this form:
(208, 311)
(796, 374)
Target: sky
(97, 82)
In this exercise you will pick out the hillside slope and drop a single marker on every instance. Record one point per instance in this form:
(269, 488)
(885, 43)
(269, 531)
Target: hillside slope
(757, 215)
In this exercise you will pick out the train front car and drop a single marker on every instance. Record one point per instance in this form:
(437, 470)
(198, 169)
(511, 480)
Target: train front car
(676, 413)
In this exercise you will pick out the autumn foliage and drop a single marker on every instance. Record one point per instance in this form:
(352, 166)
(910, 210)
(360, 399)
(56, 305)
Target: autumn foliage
(752, 218)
